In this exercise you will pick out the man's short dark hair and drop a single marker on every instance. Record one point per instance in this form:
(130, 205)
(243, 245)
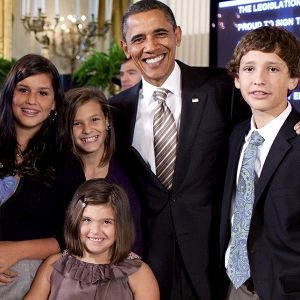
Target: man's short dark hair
(144, 6)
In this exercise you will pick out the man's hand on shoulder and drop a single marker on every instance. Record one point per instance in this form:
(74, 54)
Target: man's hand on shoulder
(297, 128)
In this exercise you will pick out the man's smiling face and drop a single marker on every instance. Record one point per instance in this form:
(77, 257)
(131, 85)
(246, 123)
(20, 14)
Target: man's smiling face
(151, 41)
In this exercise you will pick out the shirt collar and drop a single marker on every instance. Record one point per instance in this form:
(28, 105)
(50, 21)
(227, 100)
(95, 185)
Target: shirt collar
(272, 128)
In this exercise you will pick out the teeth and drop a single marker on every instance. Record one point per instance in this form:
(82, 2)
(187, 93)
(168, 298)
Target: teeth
(154, 60)
(90, 139)
(29, 111)
(259, 93)
(95, 239)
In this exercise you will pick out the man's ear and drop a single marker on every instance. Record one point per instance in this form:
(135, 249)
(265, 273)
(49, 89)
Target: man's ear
(178, 35)
(125, 49)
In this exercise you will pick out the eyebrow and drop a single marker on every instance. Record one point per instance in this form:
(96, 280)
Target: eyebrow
(265, 63)
(140, 35)
(92, 116)
(137, 36)
(160, 30)
(101, 219)
(27, 86)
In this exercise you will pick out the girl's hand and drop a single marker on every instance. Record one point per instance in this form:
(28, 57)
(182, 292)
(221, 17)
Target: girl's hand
(7, 277)
(12, 252)
(9, 255)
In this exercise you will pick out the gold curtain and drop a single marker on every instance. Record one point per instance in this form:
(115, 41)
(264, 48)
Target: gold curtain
(101, 13)
(119, 8)
(6, 17)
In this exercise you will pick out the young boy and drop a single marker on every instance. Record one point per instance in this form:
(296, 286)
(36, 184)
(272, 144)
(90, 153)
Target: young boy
(260, 223)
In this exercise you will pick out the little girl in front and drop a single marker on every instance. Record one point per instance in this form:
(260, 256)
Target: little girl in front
(98, 264)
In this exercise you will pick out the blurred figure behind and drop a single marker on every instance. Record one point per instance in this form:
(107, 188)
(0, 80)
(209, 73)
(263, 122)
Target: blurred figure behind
(129, 74)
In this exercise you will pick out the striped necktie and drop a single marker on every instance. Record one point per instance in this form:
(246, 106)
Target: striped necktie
(165, 139)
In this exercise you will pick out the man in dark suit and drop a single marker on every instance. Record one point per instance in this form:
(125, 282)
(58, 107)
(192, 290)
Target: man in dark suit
(261, 252)
(181, 222)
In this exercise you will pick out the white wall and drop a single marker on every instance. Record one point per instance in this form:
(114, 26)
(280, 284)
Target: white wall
(193, 17)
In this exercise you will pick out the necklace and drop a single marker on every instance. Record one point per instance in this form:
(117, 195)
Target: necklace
(20, 153)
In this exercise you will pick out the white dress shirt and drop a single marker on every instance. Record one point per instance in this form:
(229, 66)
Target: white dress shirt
(269, 133)
(143, 130)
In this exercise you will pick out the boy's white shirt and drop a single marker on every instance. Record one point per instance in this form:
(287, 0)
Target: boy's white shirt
(269, 133)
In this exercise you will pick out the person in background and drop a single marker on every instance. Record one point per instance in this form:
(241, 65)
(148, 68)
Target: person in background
(130, 75)
(31, 211)
(98, 264)
(180, 204)
(91, 139)
(260, 224)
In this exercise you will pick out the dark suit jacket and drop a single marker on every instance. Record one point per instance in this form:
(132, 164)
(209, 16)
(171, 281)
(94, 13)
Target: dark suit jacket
(274, 234)
(187, 215)
(296, 104)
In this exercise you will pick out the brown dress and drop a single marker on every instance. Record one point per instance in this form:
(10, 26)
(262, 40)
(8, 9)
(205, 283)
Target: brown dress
(73, 279)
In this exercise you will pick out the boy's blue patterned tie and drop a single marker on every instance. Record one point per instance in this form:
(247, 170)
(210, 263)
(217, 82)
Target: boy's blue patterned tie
(238, 264)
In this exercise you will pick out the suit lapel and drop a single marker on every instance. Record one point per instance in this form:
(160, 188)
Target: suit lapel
(193, 100)
(232, 165)
(236, 143)
(131, 104)
(278, 151)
